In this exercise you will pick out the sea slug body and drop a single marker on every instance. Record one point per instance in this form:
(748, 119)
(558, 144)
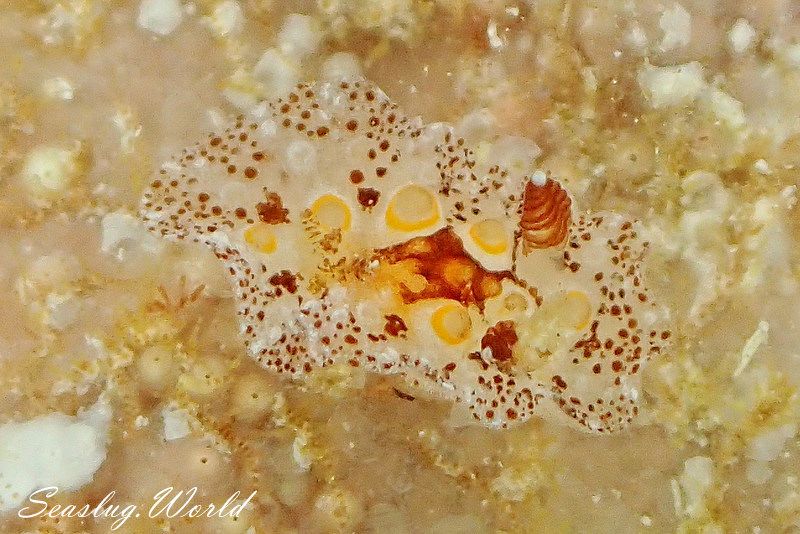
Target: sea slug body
(355, 234)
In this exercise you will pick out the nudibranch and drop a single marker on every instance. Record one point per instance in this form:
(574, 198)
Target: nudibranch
(356, 235)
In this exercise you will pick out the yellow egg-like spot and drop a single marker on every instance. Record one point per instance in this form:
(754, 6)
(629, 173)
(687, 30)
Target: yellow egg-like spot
(451, 323)
(515, 302)
(331, 212)
(412, 208)
(490, 235)
(574, 309)
(404, 274)
(261, 237)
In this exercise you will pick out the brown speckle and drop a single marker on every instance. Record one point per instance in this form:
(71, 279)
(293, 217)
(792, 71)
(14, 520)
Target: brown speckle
(368, 197)
(271, 211)
(394, 325)
(356, 176)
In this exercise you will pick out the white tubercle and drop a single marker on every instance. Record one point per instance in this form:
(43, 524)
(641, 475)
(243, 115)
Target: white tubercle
(539, 178)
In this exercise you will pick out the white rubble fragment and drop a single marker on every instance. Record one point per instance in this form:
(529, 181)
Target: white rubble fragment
(789, 196)
(672, 86)
(751, 346)
(791, 55)
(49, 169)
(768, 244)
(695, 481)
(244, 91)
(495, 40)
(515, 485)
(300, 452)
(227, 18)
(54, 269)
(51, 450)
(299, 36)
(176, 422)
(129, 129)
(762, 167)
(677, 497)
(161, 17)
(758, 472)
(58, 88)
(741, 36)
(727, 109)
(767, 446)
(637, 38)
(706, 201)
(341, 66)
(276, 72)
(589, 79)
(62, 310)
(676, 23)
